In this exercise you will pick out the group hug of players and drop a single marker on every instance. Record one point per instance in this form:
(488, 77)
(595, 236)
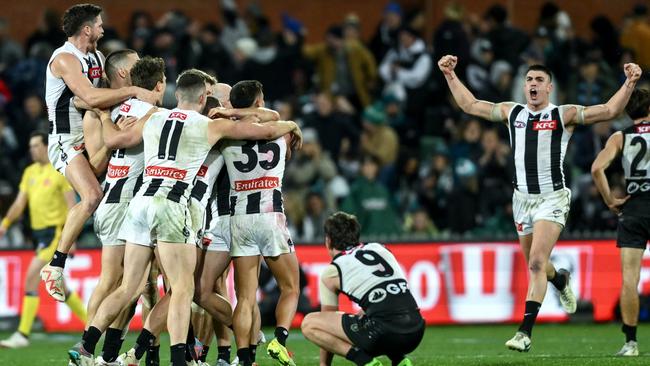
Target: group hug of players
(186, 191)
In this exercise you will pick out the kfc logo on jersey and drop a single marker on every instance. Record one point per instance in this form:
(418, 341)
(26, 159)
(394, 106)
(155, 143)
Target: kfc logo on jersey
(164, 172)
(203, 170)
(643, 129)
(117, 171)
(545, 125)
(125, 108)
(520, 124)
(95, 72)
(178, 115)
(259, 183)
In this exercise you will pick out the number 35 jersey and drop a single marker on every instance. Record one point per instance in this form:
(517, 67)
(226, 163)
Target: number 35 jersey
(636, 164)
(255, 169)
(175, 147)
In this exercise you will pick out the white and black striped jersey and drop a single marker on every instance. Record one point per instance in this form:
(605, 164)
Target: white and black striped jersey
(175, 147)
(255, 169)
(636, 165)
(539, 141)
(206, 177)
(371, 277)
(64, 118)
(125, 167)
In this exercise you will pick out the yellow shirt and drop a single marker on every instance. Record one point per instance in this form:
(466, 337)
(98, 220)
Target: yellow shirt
(44, 187)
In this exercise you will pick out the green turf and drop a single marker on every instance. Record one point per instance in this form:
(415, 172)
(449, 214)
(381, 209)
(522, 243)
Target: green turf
(444, 345)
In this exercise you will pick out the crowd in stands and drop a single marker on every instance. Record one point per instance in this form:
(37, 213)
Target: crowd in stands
(382, 137)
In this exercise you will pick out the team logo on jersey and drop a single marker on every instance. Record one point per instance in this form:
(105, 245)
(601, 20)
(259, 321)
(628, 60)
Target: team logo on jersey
(178, 115)
(643, 129)
(544, 125)
(259, 183)
(545, 116)
(520, 124)
(125, 108)
(165, 172)
(95, 72)
(377, 295)
(117, 171)
(203, 170)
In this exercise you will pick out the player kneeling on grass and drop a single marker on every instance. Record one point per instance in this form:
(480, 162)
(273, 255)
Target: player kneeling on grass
(369, 275)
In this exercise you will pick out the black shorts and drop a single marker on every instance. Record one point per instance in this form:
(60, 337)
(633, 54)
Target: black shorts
(375, 338)
(633, 232)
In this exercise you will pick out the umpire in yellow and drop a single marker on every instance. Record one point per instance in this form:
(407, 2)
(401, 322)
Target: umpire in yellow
(48, 196)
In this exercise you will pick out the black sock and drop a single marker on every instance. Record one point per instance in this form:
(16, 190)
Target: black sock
(190, 342)
(58, 260)
(253, 351)
(204, 353)
(223, 353)
(281, 334)
(112, 344)
(559, 281)
(244, 355)
(630, 332)
(144, 341)
(91, 338)
(358, 356)
(530, 315)
(178, 354)
(153, 356)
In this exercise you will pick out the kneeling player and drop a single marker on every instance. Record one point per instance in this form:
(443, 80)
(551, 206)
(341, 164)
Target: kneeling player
(369, 275)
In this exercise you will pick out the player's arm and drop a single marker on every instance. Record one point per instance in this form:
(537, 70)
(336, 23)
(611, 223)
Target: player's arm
(263, 114)
(98, 154)
(577, 114)
(68, 67)
(465, 99)
(128, 136)
(15, 211)
(329, 301)
(242, 130)
(612, 149)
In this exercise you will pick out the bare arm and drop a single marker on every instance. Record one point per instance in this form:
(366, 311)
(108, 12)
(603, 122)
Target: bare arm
(120, 138)
(466, 100)
(328, 292)
(612, 149)
(263, 114)
(575, 114)
(225, 128)
(15, 210)
(98, 154)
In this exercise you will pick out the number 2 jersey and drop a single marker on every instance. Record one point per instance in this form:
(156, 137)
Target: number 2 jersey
(636, 164)
(255, 169)
(175, 147)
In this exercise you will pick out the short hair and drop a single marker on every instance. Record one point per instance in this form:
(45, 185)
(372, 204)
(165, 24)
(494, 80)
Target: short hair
(206, 77)
(190, 85)
(542, 68)
(77, 16)
(40, 134)
(115, 60)
(244, 93)
(343, 229)
(147, 72)
(639, 104)
(210, 102)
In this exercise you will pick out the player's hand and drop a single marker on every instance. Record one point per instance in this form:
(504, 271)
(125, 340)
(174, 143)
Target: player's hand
(632, 72)
(127, 122)
(615, 204)
(447, 64)
(220, 112)
(296, 138)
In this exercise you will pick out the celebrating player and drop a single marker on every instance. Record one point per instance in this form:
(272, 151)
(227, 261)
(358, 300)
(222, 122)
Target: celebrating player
(539, 136)
(631, 145)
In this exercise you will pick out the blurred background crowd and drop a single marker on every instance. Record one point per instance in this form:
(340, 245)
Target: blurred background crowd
(382, 136)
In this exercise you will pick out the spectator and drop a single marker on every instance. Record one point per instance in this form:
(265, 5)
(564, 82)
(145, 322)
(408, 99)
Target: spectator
(49, 31)
(378, 139)
(335, 129)
(636, 35)
(450, 38)
(214, 58)
(352, 28)
(465, 197)
(371, 203)
(314, 220)
(591, 85)
(478, 71)
(419, 224)
(140, 30)
(500, 82)
(8, 148)
(435, 186)
(495, 173)
(508, 42)
(469, 146)
(385, 37)
(588, 143)
(10, 51)
(605, 37)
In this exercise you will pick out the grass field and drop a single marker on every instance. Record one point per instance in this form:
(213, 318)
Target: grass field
(443, 345)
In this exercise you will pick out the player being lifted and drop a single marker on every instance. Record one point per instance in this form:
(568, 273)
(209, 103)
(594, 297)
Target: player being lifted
(539, 135)
(75, 69)
(390, 324)
(632, 146)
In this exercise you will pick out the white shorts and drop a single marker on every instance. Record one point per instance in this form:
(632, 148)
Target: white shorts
(62, 148)
(108, 222)
(263, 233)
(528, 208)
(217, 236)
(197, 212)
(152, 219)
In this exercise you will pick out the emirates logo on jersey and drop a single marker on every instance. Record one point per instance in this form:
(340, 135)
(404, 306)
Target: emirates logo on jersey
(125, 108)
(259, 183)
(117, 171)
(165, 172)
(178, 115)
(95, 72)
(544, 125)
(203, 170)
(642, 129)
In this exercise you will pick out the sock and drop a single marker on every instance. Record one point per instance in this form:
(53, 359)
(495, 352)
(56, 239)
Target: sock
(153, 356)
(112, 344)
(190, 342)
(530, 315)
(630, 332)
(178, 354)
(204, 353)
(77, 306)
(558, 281)
(281, 334)
(223, 353)
(91, 338)
(28, 313)
(58, 260)
(244, 356)
(144, 341)
(253, 351)
(358, 356)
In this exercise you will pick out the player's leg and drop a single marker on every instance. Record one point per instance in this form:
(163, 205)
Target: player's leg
(109, 277)
(216, 305)
(246, 282)
(154, 324)
(221, 332)
(631, 267)
(178, 260)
